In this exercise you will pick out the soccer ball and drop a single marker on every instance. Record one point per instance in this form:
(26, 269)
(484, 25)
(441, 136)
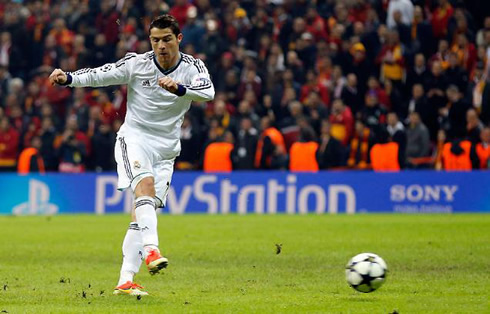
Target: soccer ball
(366, 272)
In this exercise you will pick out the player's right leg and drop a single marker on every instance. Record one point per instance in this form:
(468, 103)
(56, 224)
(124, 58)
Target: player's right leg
(145, 212)
(132, 250)
(132, 162)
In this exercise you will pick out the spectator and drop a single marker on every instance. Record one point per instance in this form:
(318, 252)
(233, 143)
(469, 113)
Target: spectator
(32, 130)
(485, 100)
(417, 74)
(442, 54)
(439, 148)
(337, 82)
(480, 35)
(62, 36)
(476, 86)
(312, 84)
(251, 81)
(418, 140)
(101, 51)
(421, 33)
(82, 138)
(374, 86)
(466, 52)
(72, 154)
(106, 22)
(351, 96)
(9, 145)
(215, 44)
(373, 115)
(394, 98)
(341, 122)
(8, 52)
(440, 18)
(48, 135)
(316, 110)
(391, 59)
(189, 139)
(297, 68)
(406, 9)
(436, 85)
(330, 153)
(404, 30)
(102, 143)
(80, 109)
(193, 31)
(244, 110)
(397, 134)
(450, 115)
(360, 146)
(360, 65)
(315, 24)
(244, 151)
(473, 126)
(180, 10)
(104, 103)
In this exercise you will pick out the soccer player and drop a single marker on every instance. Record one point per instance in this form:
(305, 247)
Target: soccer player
(161, 85)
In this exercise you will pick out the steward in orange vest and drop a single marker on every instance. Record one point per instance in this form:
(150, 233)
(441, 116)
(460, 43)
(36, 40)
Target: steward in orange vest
(483, 152)
(456, 155)
(384, 157)
(302, 155)
(217, 155)
(268, 141)
(483, 149)
(30, 160)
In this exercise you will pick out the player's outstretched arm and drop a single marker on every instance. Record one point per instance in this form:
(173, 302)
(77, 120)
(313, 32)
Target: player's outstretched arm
(58, 77)
(109, 74)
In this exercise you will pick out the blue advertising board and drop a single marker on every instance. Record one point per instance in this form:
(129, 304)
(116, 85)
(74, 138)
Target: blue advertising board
(256, 192)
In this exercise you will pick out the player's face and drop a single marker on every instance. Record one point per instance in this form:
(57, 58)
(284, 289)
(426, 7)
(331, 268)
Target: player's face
(166, 46)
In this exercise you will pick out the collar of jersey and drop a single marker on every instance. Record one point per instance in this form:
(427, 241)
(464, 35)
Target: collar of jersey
(167, 72)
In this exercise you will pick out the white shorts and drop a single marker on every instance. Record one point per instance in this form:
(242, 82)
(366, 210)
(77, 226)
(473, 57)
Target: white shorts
(137, 159)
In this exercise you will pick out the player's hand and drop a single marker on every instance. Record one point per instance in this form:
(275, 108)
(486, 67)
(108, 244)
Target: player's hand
(168, 84)
(58, 77)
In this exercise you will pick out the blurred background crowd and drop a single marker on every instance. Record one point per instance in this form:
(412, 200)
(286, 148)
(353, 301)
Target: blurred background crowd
(300, 85)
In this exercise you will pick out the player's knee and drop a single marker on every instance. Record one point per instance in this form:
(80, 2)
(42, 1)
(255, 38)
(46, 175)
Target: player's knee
(146, 187)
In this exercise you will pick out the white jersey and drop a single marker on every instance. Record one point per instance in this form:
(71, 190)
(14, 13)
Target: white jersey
(153, 113)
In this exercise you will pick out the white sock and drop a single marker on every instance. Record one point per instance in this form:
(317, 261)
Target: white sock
(132, 249)
(146, 217)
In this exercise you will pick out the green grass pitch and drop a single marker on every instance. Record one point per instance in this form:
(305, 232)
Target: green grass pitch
(70, 264)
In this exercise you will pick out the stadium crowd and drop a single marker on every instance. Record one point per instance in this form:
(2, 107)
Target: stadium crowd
(300, 85)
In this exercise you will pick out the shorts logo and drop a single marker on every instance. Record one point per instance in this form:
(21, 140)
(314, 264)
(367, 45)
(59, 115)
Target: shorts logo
(136, 165)
(146, 83)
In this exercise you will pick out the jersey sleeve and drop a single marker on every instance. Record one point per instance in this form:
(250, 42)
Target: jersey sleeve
(201, 87)
(109, 74)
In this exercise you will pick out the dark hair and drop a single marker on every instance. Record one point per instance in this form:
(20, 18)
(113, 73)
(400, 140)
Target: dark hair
(165, 21)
